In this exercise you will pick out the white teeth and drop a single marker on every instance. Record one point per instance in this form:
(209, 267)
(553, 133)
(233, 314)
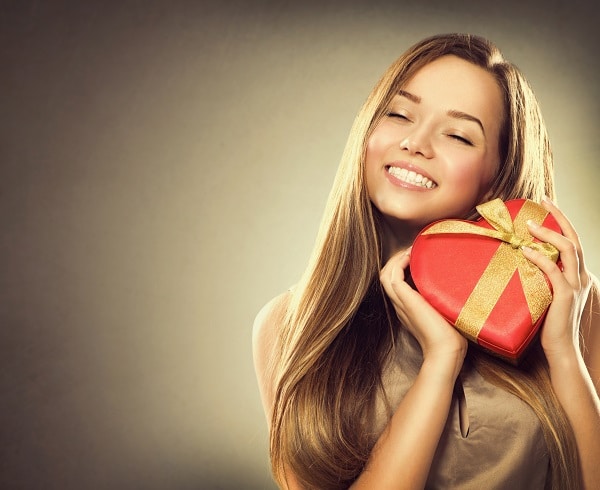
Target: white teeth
(411, 177)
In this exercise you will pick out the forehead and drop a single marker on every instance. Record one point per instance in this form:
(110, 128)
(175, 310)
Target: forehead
(451, 83)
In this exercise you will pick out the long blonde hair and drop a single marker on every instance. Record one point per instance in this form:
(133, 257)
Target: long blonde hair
(328, 372)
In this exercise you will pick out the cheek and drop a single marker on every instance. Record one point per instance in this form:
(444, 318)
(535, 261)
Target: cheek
(374, 159)
(374, 146)
(377, 146)
(373, 155)
(488, 172)
(473, 176)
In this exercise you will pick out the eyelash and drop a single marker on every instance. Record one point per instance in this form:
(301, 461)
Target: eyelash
(398, 116)
(461, 139)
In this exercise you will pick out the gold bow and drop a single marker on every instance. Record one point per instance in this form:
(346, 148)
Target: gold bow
(503, 264)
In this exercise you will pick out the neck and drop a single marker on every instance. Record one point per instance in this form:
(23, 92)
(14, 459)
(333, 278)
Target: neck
(396, 236)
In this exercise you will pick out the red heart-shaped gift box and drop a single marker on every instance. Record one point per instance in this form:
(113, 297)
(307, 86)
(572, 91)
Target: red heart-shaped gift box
(475, 274)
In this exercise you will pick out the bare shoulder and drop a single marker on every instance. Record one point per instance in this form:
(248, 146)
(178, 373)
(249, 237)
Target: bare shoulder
(265, 333)
(267, 323)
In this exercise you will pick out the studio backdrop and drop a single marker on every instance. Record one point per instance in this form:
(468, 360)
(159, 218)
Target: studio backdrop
(164, 169)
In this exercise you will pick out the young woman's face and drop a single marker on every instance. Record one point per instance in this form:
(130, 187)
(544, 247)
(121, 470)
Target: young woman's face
(436, 152)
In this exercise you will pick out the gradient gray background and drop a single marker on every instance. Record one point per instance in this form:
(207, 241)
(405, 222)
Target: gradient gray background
(164, 169)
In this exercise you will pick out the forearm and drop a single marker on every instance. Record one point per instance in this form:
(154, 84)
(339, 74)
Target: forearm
(577, 395)
(403, 454)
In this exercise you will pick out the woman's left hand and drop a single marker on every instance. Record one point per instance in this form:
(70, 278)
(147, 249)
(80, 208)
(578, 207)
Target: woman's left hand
(571, 285)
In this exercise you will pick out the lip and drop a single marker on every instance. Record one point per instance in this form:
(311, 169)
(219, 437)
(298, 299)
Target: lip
(408, 166)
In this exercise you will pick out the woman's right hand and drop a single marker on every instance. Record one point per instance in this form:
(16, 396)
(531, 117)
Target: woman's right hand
(413, 433)
(441, 343)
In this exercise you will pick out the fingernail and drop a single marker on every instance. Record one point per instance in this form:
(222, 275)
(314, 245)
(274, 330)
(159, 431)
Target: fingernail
(532, 224)
(526, 249)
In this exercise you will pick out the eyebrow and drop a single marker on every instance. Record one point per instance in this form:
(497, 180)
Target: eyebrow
(412, 97)
(452, 113)
(466, 117)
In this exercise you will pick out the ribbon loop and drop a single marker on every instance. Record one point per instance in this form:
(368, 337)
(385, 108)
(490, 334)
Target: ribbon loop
(497, 215)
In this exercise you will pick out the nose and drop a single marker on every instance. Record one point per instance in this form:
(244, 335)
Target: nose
(417, 142)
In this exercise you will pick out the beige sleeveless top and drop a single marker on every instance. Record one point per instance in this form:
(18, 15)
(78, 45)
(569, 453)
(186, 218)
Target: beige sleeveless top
(492, 440)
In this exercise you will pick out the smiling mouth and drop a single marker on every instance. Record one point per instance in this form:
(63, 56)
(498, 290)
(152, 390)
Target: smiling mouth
(411, 177)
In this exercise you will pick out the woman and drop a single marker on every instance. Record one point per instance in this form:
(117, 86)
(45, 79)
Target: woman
(364, 384)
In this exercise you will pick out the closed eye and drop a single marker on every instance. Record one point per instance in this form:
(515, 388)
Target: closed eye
(461, 139)
(397, 115)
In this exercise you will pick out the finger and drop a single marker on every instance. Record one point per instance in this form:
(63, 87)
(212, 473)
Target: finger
(396, 275)
(392, 260)
(568, 251)
(566, 226)
(401, 262)
(560, 285)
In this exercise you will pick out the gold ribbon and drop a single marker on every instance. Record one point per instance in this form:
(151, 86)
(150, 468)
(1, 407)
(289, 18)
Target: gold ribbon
(507, 259)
